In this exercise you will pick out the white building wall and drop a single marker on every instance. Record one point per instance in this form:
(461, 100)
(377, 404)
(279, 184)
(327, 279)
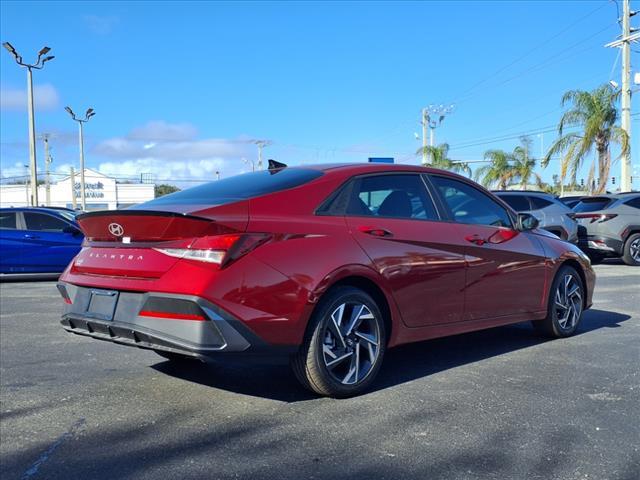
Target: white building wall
(101, 192)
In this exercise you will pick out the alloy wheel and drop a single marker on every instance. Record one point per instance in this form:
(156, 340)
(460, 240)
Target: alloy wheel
(351, 343)
(568, 302)
(634, 249)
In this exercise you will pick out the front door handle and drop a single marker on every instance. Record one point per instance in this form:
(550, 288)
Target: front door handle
(28, 236)
(376, 231)
(477, 239)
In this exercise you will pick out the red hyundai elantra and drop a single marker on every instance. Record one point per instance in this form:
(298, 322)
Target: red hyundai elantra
(330, 265)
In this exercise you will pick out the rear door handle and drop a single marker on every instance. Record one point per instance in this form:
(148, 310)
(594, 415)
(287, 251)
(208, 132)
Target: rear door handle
(31, 237)
(376, 231)
(475, 239)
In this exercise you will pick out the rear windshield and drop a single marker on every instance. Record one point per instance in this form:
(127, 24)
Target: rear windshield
(239, 187)
(518, 202)
(592, 204)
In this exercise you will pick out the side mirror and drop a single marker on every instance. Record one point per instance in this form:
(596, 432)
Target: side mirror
(526, 221)
(71, 229)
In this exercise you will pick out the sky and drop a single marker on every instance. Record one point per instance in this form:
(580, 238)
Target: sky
(181, 89)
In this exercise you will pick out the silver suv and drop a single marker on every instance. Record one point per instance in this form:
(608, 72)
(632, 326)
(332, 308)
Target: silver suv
(553, 215)
(610, 227)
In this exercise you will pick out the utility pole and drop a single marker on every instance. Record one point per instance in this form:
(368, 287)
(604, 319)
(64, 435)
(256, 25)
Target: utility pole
(432, 117)
(73, 188)
(47, 165)
(625, 43)
(261, 144)
(90, 113)
(33, 166)
(425, 125)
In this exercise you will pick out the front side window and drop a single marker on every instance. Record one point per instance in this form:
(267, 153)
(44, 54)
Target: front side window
(43, 222)
(8, 220)
(391, 196)
(469, 205)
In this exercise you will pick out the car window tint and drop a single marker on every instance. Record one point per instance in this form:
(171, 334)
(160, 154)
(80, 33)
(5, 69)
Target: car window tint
(43, 222)
(392, 196)
(469, 205)
(592, 204)
(634, 202)
(8, 220)
(538, 203)
(518, 202)
(238, 187)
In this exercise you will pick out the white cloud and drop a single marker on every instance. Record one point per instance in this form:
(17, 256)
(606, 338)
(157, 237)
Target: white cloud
(163, 131)
(45, 98)
(172, 153)
(101, 25)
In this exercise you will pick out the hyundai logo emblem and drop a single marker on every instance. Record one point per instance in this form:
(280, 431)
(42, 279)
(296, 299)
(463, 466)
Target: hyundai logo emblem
(116, 229)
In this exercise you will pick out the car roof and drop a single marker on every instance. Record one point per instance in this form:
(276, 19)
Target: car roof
(371, 167)
(35, 209)
(533, 193)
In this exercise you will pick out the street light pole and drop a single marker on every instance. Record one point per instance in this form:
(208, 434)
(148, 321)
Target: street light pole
(90, 113)
(33, 166)
(432, 117)
(261, 144)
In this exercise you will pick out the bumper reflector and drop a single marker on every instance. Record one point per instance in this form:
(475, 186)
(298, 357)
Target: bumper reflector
(172, 315)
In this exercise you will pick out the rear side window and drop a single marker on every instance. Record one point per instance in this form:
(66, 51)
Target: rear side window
(592, 204)
(8, 220)
(391, 196)
(634, 202)
(43, 222)
(469, 205)
(538, 203)
(239, 187)
(518, 202)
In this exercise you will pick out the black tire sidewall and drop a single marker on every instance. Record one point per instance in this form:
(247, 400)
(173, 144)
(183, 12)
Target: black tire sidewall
(626, 257)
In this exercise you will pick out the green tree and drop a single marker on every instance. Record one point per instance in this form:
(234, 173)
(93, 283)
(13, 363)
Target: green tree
(439, 156)
(523, 167)
(165, 189)
(499, 172)
(595, 114)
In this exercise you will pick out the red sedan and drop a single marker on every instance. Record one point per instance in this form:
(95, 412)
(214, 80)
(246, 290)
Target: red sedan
(329, 265)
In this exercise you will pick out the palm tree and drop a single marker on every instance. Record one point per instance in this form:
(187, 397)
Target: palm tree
(523, 164)
(499, 172)
(439, 157)
(596, 114)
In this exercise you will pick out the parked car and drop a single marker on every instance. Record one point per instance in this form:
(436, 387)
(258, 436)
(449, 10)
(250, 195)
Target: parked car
(610, 227)
(37, 240)
(329, 265)
(553, 215)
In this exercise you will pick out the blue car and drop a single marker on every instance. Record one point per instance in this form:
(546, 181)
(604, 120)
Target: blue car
(37, 240)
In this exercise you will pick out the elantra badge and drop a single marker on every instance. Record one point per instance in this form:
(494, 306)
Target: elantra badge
(116, 229)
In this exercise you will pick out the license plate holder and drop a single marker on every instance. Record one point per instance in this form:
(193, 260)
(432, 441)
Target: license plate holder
(102, 304)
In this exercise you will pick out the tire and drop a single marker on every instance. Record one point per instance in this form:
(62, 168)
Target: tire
(595, 258)
(566, 304)
(344, 345)
(631, 251)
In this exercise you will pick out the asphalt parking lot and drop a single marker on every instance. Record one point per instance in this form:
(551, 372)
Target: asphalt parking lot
(497, 404)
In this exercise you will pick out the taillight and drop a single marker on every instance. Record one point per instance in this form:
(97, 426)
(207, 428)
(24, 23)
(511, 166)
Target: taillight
(596, 217)
(217, 249)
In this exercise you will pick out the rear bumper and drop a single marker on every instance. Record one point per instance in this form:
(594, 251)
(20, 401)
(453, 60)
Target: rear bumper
(601, 244)
(184, 324)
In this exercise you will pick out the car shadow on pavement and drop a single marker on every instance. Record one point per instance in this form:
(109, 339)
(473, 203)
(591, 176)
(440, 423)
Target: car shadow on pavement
(401, 364)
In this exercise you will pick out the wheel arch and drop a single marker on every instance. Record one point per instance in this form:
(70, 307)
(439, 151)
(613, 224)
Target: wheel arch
(365, 279)
(578, 268)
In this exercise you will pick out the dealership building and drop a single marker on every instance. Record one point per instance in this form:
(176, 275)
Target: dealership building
(101, 192)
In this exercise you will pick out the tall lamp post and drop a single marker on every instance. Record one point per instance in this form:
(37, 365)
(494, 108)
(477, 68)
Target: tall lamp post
(33, 167)
(90, 113)
(261, 144)
(432, 117)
